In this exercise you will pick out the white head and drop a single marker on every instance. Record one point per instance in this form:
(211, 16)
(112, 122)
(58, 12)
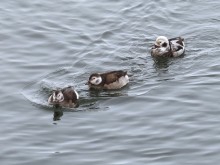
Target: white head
(57, 96)
(162, 41)
(95, 79)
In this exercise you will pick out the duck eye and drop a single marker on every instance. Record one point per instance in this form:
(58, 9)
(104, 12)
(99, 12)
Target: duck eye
(60, 95)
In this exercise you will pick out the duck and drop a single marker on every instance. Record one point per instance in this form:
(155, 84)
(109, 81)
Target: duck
(66, 97)
(165, 47)
(109, 80)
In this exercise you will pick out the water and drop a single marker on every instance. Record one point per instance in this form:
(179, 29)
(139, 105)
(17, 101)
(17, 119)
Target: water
(169, 113)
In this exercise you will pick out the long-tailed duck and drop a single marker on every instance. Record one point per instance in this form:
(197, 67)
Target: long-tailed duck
(109, 80)
(165, 47)
(66, 97)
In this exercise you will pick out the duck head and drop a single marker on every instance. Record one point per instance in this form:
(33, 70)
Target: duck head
(57, 96)
(161, 41)
(95, 79)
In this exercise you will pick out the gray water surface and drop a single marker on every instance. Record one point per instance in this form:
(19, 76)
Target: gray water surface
(169, 113)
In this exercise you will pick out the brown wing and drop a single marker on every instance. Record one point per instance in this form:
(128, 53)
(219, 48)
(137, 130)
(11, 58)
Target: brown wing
(69, 93)
(113, 76)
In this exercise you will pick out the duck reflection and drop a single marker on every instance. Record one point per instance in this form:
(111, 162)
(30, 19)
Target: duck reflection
(106, 93)
(161, 63)
(58, 113)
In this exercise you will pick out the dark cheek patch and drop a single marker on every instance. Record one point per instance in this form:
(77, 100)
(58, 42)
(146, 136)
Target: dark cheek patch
(164, 45)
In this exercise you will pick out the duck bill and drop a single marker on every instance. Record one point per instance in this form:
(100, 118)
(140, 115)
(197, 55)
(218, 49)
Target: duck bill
(156, 46)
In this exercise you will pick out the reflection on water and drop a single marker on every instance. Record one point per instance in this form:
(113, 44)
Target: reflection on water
(58, 113)
(162, 62)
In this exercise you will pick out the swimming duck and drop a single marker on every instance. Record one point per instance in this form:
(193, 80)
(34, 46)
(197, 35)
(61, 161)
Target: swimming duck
(109, 80)
(66, 97)
(165, 47)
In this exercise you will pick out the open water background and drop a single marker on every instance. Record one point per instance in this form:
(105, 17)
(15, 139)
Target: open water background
(169, 113)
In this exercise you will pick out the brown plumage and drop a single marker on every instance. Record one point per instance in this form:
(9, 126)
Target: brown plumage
(66, 97)
(109, 80)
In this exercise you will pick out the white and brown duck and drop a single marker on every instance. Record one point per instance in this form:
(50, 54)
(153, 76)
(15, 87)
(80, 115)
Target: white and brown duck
(165, 47)
(109, 80)
(66, 97)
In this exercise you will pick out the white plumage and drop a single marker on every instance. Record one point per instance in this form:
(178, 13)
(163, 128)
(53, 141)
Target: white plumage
(163, 46)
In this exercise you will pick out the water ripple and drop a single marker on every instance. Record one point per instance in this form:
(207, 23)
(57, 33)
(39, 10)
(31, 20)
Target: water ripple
(168, 114)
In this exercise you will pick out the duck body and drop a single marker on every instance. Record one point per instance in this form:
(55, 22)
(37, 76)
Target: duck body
(110, 80)
(66, 97)
(165, 47)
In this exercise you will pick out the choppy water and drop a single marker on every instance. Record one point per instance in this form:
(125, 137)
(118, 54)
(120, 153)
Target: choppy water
(168, 115)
